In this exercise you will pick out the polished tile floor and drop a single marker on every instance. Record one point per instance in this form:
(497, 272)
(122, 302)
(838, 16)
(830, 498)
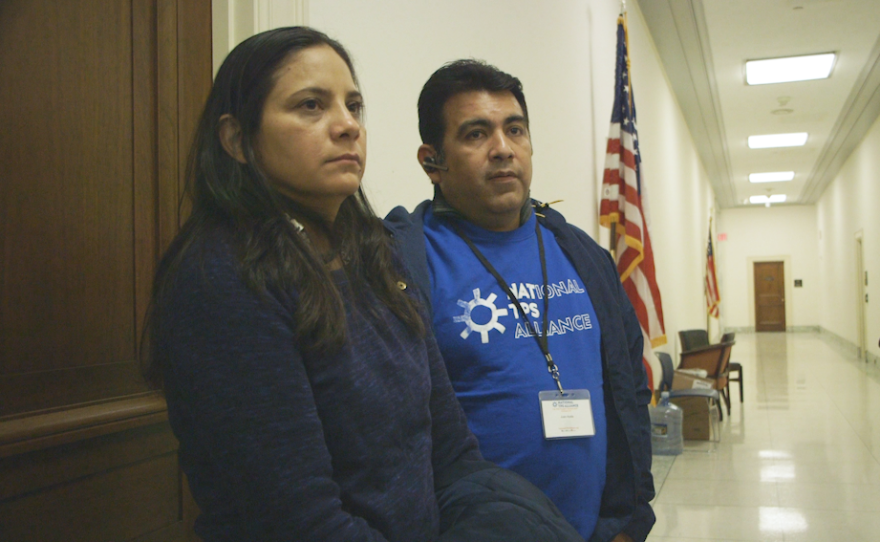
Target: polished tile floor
(799, 460)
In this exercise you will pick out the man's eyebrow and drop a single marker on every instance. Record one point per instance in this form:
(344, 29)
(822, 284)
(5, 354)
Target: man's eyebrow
(483, 123)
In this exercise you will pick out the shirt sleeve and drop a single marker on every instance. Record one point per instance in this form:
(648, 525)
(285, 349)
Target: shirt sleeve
(238, 393)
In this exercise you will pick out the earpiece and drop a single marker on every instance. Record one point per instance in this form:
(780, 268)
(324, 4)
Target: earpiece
(431, 163)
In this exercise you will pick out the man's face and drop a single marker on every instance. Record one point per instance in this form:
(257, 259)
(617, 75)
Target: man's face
(488, 151)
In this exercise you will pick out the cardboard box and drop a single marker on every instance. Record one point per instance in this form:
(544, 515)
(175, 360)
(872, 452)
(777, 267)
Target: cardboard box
(685, 381)
(697, 423)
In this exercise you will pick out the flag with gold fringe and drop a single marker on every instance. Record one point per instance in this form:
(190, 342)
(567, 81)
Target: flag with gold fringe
(713, 298)
(622, 211)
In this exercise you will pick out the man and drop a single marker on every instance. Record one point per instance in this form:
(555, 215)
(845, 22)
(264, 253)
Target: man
(496, 269)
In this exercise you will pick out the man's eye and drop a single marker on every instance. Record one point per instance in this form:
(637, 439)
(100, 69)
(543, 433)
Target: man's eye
(516, 130)
(476, 134)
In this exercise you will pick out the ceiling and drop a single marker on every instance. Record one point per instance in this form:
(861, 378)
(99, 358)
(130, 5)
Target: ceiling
(704, 45)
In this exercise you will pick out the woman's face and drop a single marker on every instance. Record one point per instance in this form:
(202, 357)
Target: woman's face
(311, 143)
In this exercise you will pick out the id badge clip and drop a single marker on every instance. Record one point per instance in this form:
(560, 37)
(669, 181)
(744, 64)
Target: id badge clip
(567, 415)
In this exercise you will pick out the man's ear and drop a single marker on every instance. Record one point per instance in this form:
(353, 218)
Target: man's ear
(229, 132)
(425, 155)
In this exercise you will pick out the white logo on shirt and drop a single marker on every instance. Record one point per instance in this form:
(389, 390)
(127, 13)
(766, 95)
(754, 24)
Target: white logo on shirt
(482, 329)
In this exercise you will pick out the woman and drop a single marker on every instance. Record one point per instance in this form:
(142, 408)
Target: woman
(309, 399)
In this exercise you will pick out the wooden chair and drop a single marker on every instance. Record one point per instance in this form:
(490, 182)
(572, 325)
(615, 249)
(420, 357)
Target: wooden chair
(693, 338)
(734, 367)
(713, 359)
(713, 396)
(698, 338)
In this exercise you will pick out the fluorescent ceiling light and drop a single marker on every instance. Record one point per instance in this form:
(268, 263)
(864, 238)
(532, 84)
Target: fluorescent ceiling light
(774, 198)
(771, 176)
(793, 68)
(777, 140)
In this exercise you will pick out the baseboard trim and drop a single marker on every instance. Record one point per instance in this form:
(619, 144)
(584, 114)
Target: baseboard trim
(789, 329)
(747, 329)
(850, 347)
(803, 329)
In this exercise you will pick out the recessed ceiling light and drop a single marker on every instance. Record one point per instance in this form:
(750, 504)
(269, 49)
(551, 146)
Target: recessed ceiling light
(774, 198)
(777, 140)
(771, 176)
(793, 68)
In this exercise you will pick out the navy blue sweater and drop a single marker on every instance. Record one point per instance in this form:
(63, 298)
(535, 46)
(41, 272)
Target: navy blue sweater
(279, 444)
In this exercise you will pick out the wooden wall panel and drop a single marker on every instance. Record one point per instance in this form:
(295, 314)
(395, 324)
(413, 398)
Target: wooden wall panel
(69, 494)
(99, 101)
(66, 290)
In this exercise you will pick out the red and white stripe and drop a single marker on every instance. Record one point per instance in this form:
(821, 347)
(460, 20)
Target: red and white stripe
(713, 298)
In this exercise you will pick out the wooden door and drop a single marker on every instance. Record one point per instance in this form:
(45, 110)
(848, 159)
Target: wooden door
(769, 296)
(98, 101)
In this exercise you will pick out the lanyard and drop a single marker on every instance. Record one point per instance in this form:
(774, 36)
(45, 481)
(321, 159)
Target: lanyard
(542, 336)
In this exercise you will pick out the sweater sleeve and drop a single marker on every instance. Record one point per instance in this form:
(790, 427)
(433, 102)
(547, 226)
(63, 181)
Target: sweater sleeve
(452, 439)
(238, 393)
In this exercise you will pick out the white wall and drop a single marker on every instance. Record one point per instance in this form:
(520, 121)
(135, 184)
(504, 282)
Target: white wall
(848, 206)
(782, 233)
(679, 197)
(397, 44)
(564, 53)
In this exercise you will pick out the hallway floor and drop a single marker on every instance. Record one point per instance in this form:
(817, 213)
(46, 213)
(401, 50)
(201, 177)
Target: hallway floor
(799, 460)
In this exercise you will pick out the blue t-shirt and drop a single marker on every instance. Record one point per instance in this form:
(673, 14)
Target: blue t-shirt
(496, 365)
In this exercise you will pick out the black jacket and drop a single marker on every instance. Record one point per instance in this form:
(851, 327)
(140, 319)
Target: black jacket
(629, 485)
(480, 501)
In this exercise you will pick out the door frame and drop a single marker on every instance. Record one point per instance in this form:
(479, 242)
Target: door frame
(786, 269)
(861, 291)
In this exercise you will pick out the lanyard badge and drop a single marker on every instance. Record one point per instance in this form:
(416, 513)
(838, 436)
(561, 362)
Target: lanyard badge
(564, 414)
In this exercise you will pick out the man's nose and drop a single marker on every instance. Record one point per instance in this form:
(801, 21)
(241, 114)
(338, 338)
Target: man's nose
(501, 147)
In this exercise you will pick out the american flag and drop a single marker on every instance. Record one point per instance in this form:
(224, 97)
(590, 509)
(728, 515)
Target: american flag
(712, 295)
(622, 194)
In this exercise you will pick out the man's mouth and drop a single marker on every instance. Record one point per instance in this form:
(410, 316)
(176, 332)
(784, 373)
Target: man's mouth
(501, 175)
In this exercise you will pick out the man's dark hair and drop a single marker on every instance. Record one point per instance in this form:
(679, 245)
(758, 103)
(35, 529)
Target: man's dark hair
(454, 78)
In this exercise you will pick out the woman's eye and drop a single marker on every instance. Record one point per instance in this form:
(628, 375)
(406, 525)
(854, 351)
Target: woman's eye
(356, 108)
(310, 105)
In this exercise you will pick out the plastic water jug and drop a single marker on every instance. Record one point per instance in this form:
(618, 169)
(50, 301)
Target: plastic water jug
(666, 420)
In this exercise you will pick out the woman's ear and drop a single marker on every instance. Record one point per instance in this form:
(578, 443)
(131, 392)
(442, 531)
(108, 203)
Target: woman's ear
(229, 132)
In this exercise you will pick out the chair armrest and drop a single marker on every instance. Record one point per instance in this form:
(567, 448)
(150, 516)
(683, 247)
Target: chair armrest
(696, 392)
(705, 358)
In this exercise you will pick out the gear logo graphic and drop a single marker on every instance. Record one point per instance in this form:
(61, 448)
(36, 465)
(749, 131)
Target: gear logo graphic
(482, 329)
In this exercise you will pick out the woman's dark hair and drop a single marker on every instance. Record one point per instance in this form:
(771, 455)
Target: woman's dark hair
(453, 78)
(239, 200)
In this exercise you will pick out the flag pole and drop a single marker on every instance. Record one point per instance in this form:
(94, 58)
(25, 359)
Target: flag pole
(705, 293)
(612, 241)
